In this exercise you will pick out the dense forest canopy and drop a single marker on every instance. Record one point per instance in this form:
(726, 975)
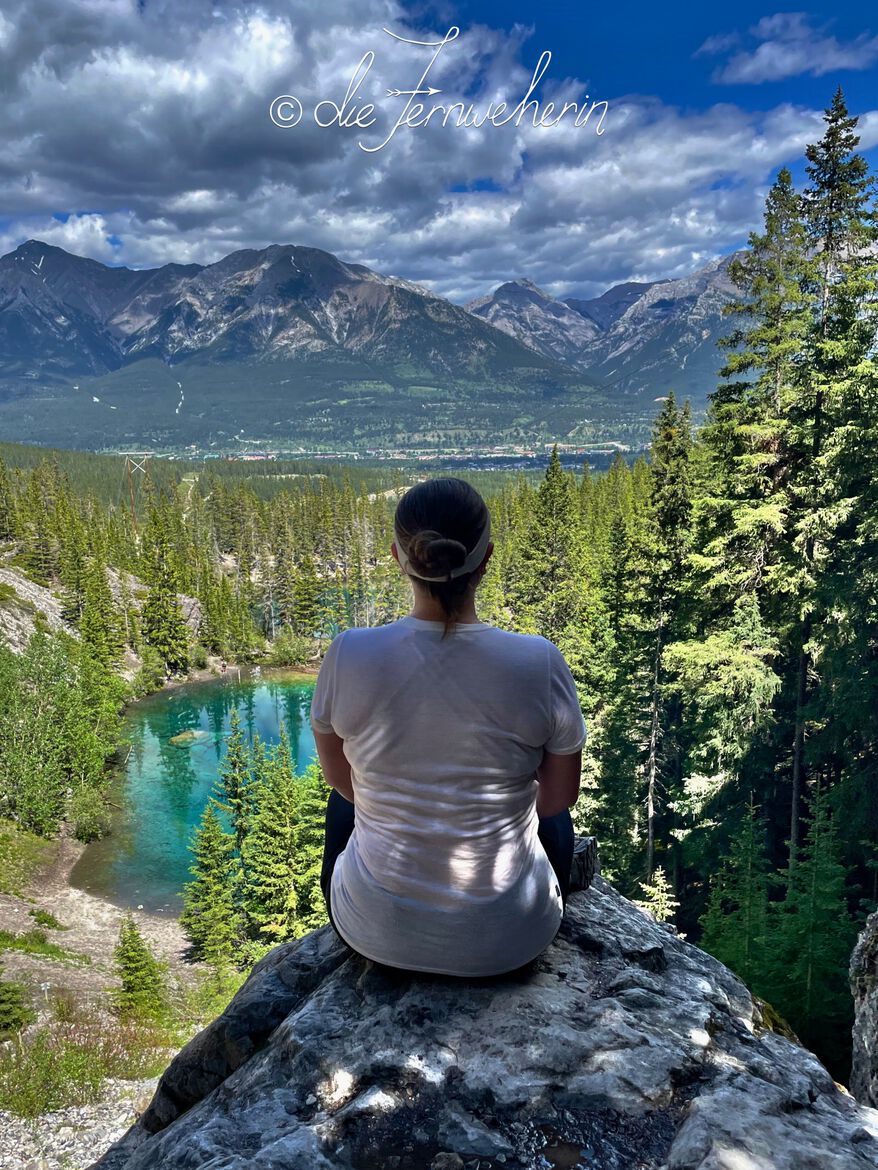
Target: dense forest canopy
(717, 604)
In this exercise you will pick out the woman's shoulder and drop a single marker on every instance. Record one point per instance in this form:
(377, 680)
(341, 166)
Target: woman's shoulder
(512, 640)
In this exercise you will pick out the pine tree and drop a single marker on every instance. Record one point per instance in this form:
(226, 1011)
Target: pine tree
(735, 921)
(668, 539)
(840, 380)
(812, 938)
(143, 994)
(237, 783)
(269, 852)
(306, 598)
(15, 1011)
(99, 621)
(210, 916)
(311, 798)
(8, 525)
(162, 622)
(659, 900)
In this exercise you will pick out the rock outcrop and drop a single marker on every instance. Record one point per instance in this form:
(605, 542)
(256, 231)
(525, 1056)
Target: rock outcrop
(621, 1046)
(864, 988)
(24, 605)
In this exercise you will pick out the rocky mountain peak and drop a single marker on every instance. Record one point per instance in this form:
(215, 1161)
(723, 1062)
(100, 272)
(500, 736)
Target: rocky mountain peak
(622, 1045)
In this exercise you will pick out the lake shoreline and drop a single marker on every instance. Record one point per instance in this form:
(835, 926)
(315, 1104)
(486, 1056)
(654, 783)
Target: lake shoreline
(213, 672)
(165, 768)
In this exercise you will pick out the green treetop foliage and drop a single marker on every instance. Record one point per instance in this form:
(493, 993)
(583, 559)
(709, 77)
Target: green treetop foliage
(162, 622)
(59, 722)
(8, 524)
(259, 883)
(735, 921)
(659, 900)
(99, 621)
(15, 1009)
(211, 917)
(237, 785)
(812, 936)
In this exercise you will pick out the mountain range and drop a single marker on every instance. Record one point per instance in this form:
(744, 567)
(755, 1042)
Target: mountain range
(291, 343)
(640, 339)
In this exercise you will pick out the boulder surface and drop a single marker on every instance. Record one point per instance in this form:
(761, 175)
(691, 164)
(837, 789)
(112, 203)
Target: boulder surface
(622, 1047)
(864, 988)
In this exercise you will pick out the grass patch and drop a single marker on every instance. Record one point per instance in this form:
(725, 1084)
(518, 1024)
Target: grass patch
(209, 997)
(67, 1064)
(297, 677)
(22, 856)
(35, 942)
(49, 921)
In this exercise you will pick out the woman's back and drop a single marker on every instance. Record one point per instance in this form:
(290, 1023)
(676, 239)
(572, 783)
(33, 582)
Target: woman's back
(444, 870)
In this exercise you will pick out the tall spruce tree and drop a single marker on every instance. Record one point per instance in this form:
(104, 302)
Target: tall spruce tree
(211, 918)
(813, 935)
(99, 622)
(238, 787)
(735, 921)
(8, 526)
(843, 279)
(143, 994)
(269, 852)
(162, 622)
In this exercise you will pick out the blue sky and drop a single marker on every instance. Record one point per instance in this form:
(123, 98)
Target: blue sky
(138, 133)
(630, 46)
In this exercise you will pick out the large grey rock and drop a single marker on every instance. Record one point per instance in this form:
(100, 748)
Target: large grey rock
(623, 1046)
(864, 988)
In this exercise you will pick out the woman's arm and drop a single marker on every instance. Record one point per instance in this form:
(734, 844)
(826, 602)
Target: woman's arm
(333, 761)
(558, 777)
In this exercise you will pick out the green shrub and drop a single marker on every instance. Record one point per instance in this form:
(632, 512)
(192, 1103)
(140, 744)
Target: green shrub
(35, 942)
(15, 1011)
(211, 996)
(65, 1008)
(89, 814)
(151, 676)
(289, 649)
(49, 921)
(67, 1064)
(22, 855)
(198, 659)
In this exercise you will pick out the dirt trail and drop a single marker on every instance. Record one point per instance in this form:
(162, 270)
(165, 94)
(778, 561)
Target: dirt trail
(93, 929)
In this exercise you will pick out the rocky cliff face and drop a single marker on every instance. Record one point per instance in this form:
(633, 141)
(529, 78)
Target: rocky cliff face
(864, 987)
(637, 340)
(525, 311)
(23, 605)
(622, 1046)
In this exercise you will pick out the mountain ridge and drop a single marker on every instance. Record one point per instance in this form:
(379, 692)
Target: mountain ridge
(637, 337)
(314, 346)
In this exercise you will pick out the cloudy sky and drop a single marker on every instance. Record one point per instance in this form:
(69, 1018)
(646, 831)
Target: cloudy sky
(141, 133)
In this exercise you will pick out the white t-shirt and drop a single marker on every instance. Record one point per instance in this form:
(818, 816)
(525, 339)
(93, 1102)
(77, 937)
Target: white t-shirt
(444, 871)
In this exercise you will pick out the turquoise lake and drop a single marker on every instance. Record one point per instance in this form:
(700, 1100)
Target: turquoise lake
(163, 788)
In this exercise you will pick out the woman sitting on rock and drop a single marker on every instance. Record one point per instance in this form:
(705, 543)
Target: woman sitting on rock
(454, 751)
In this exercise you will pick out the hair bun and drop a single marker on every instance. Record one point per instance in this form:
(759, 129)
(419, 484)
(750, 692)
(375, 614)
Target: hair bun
(436, 553)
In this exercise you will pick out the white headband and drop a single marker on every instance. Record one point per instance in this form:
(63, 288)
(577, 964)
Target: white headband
(473, 558)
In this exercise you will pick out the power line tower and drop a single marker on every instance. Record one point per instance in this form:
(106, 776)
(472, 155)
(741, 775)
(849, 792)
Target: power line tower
(136, 462)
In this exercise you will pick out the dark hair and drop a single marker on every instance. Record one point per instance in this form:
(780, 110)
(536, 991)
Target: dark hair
(438, 523)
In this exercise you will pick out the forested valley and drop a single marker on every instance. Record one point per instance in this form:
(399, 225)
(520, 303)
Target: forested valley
(717, 603)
